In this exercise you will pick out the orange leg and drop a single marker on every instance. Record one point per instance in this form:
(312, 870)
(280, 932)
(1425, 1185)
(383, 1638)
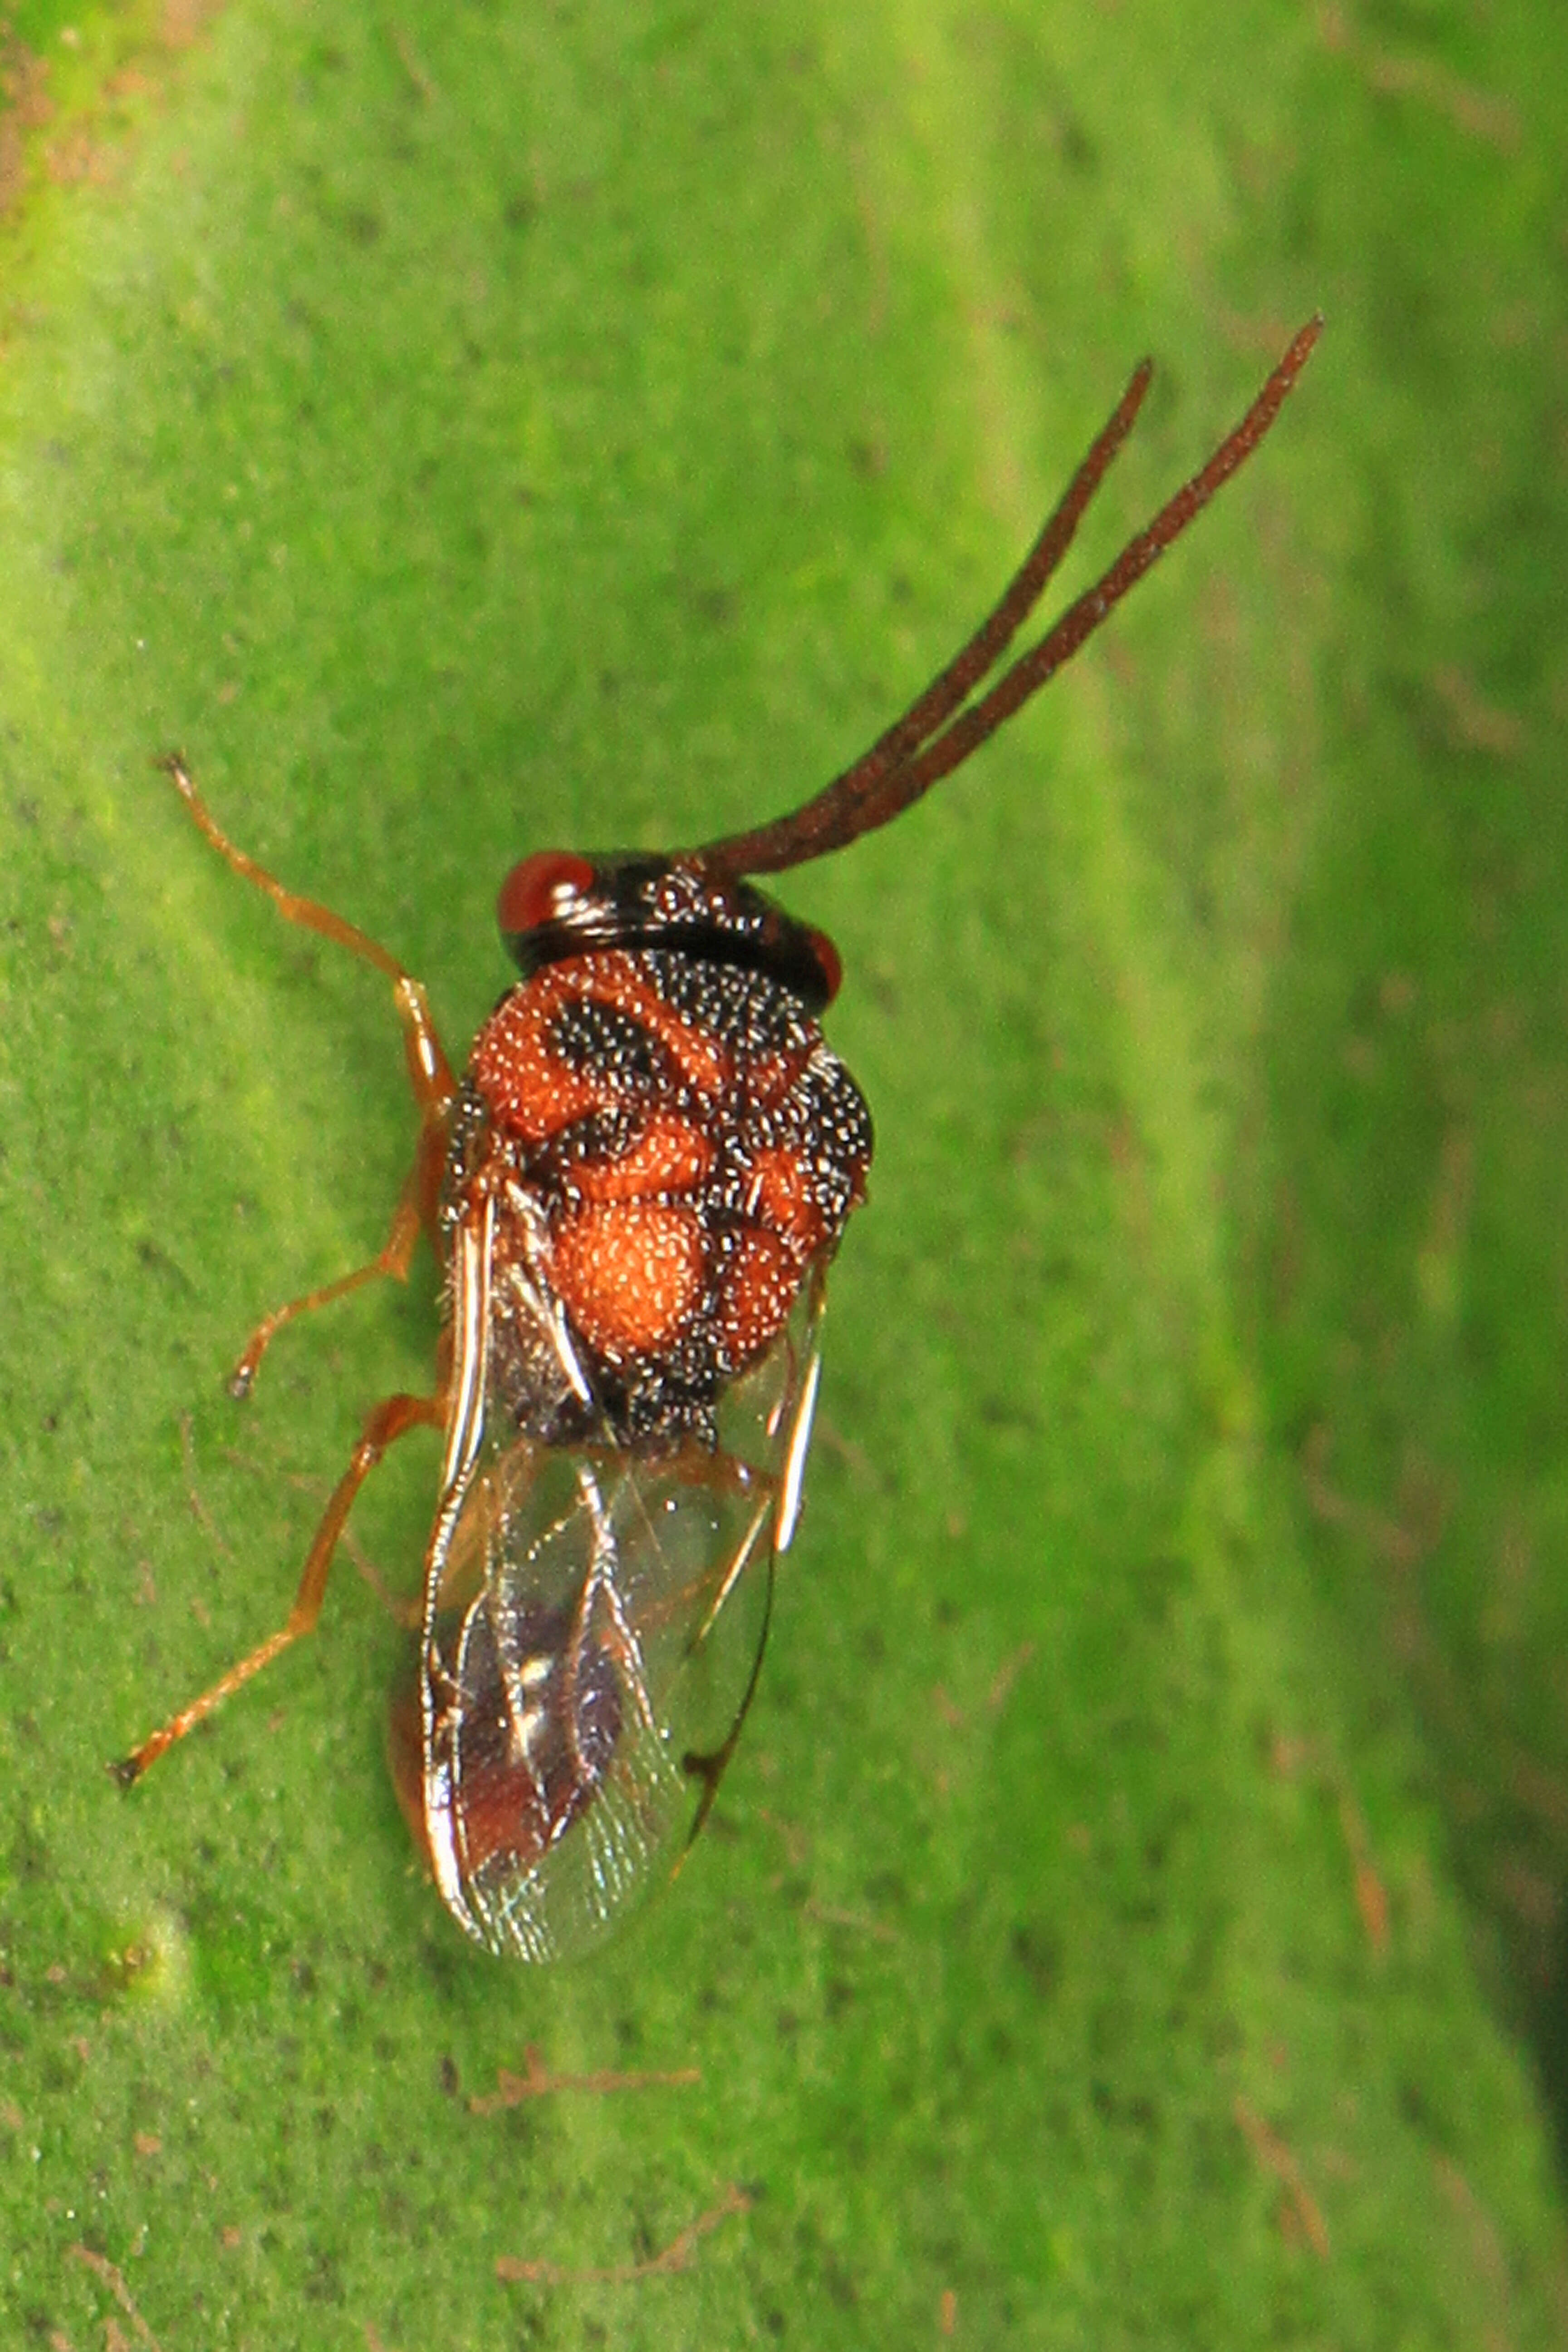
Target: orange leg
(387, 1422)
(429, 1072)
(394, 1259)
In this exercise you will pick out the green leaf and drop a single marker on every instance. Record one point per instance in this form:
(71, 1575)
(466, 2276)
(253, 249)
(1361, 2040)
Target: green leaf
(474, 428)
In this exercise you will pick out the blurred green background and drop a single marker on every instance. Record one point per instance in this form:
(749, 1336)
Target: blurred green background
(1136, 1912)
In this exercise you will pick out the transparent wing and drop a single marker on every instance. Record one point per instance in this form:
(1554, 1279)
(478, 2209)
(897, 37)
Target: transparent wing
(595, 1617)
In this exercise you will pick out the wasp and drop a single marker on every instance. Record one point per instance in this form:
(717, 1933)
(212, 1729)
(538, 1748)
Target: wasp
(634, 1190)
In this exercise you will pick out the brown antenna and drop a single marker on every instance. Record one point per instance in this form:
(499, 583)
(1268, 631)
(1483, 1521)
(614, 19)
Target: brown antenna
(916, 751)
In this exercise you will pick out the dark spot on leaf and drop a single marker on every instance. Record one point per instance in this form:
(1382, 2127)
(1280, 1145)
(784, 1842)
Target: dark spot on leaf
(158, 1261)
(1136, 2113)
(441, 1965)
(1037, 1950)
(324, 2281)
(1145, 1913)
(29, 1855)
(1007, 1413)
(838, 2283)
(718, 606)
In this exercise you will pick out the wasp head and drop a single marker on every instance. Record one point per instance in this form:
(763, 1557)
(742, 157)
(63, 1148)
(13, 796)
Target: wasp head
(560, 903)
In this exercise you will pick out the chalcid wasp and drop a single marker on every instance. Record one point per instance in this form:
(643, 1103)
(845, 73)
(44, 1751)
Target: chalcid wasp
(633, 1191)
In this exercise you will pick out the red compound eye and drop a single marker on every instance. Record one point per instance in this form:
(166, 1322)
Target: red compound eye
(537, 891)
(826, 955)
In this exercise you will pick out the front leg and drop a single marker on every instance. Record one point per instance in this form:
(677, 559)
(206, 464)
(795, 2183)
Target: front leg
(429, 1076)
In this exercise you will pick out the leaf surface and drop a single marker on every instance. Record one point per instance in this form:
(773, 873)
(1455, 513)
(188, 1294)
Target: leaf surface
(471, 429)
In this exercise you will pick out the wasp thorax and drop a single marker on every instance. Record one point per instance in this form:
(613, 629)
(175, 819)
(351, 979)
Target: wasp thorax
(681, 1144)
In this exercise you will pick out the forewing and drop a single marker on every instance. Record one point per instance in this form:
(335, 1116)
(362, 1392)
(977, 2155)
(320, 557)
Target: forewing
(594, 1618)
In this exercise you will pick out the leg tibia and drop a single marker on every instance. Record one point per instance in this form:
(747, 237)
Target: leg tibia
(388, 1421)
